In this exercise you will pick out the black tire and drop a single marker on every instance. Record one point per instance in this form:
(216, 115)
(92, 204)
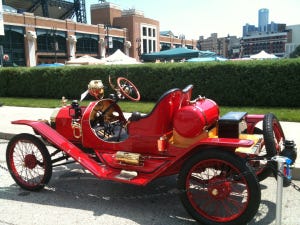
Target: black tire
(272, 131)
(273, 134)
(29, 162)
(273, 140)
(217, 187)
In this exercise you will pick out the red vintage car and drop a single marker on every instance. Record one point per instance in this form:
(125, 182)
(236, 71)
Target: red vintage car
(219, 160)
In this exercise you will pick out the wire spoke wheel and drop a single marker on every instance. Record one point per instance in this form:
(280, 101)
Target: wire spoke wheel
(273, 139)
(218, 187)
(28, 161)
(273, 135)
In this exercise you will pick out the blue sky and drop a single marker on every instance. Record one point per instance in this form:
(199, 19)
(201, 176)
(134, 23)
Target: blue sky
(194, 18)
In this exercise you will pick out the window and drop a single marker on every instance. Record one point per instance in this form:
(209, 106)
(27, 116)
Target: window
(165, 46)
(118, 43)
(51, 40)
(148, 38)
(150, 45)
(144, 31)
(144, 45)
(87, 43)
(13, 45)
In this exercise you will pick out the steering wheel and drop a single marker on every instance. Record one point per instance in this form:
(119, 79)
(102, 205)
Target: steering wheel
(128, 89)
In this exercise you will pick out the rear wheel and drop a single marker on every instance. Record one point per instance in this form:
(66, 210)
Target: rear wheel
(274, 142)
(28, 161)
(272, 145)
(217, 187)
(273, 135)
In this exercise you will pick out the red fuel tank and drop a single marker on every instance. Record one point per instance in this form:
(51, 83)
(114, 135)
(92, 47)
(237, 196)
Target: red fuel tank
(192, 120)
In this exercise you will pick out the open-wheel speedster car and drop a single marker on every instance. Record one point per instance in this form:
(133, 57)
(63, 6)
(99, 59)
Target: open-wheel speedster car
(219, 160)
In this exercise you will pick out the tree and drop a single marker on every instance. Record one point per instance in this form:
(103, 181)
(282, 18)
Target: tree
(296, 52)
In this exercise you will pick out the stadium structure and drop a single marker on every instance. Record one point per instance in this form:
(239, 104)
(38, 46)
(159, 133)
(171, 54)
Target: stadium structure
(57, 9)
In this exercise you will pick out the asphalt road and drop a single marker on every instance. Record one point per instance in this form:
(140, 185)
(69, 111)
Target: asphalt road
(74, 196)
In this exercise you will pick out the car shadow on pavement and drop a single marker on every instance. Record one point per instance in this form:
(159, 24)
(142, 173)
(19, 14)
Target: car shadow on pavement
(75, 189)
(71, 188)
(265, 214)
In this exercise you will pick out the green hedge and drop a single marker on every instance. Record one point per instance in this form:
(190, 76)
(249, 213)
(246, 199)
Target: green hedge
(236, 83)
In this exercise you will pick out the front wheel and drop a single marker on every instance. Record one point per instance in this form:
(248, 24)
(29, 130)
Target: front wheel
(217, 187)
(28, 161)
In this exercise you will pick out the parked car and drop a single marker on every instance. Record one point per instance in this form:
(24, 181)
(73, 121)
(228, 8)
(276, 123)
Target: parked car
(219, 160)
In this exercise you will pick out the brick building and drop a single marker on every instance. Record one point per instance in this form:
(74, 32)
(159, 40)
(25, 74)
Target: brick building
(30, 40)
(272, 43)
(228, 47)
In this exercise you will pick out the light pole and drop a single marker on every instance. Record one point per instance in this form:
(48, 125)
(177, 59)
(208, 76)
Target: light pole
(1, 55)
(182, 37)
(108, 44)
(228, 47)
(54, 43)
(241, 48)
(172, 41)
(138, 41)
(219, 46)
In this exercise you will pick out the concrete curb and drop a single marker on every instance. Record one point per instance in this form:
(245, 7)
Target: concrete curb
(6, 136)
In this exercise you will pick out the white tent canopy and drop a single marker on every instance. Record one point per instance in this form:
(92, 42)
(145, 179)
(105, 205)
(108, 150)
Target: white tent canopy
(85, 60)
(263, 55)
(118, 57)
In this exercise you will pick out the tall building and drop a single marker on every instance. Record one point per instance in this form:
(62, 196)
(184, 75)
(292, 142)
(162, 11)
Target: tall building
(270, 37)
(264, 27)
(263, 20)
(249, 29)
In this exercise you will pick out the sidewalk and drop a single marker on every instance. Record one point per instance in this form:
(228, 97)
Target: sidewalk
(9, 113)
(101, 202)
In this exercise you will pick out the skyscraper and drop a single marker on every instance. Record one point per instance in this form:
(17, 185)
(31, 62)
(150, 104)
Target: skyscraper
(263, 20)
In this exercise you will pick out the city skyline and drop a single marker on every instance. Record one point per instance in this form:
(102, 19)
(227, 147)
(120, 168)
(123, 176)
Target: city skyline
(202, 18)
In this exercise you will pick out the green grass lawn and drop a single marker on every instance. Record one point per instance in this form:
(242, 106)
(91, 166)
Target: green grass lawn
(283, 114)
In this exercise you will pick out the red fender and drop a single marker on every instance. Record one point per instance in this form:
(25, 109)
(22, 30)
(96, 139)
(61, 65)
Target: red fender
(227, 142)
(62, 143)
(82, 158)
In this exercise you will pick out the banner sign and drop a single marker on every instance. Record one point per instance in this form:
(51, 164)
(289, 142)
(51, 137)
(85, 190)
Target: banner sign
(110, 42)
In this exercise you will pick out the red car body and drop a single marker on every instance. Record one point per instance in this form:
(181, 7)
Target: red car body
(172, 114)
